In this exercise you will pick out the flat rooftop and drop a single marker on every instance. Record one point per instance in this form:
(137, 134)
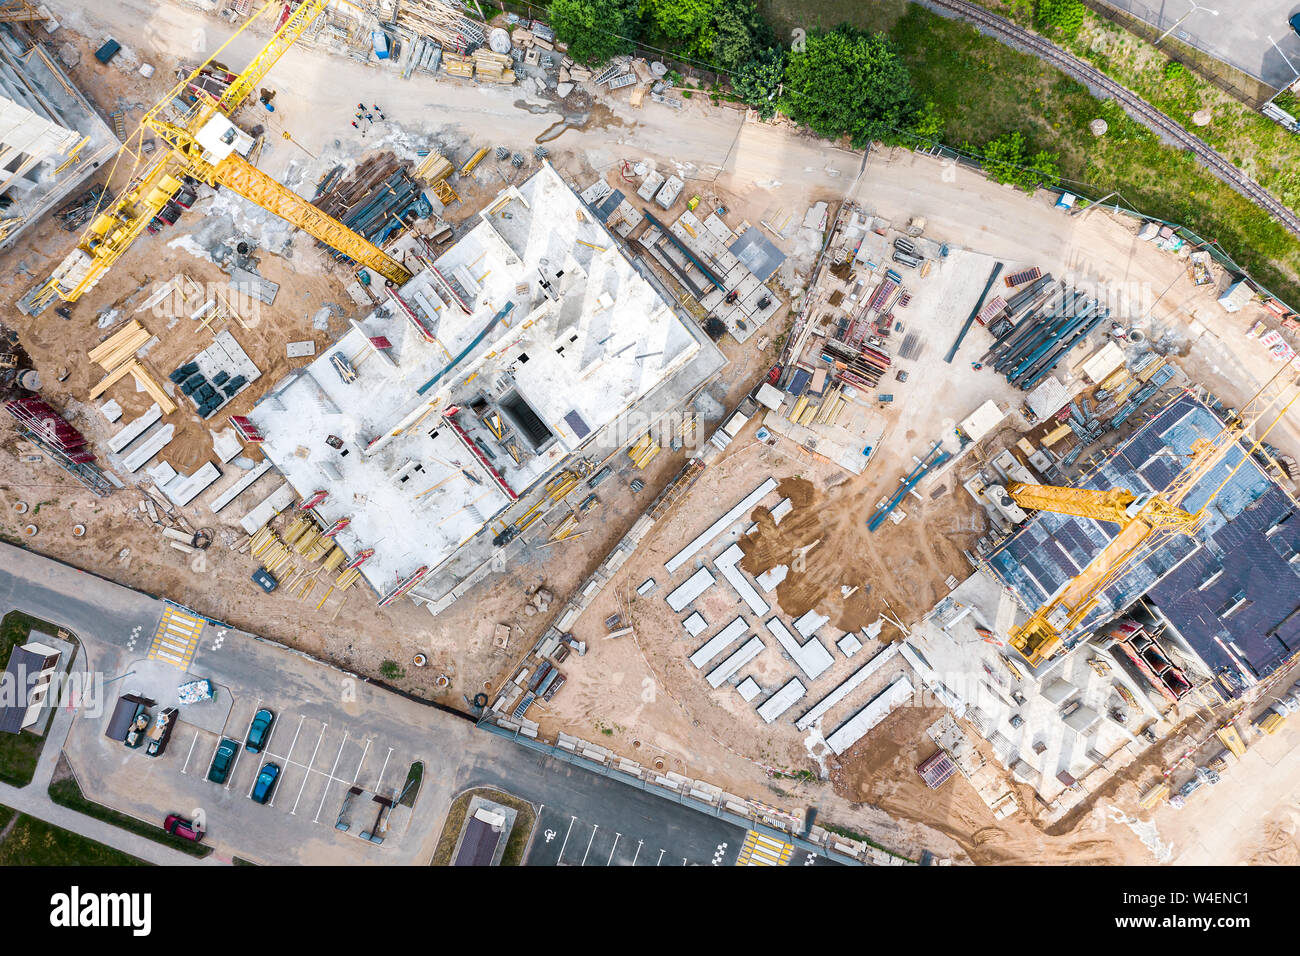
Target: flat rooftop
(485, 372)
(1051, 548)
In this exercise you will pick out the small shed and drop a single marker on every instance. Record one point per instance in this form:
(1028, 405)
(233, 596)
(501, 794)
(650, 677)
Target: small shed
(26, 683)
(983, 420)
(1236, 296)
(1103, 362)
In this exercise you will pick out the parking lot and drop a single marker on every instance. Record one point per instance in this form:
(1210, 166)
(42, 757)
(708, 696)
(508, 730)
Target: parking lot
(563, 839)
(318, 763)
(339, 743)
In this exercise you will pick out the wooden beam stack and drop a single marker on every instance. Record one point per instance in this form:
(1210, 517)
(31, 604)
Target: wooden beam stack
(116, 356)
(434, 168)
(493, 67)
(457, 65)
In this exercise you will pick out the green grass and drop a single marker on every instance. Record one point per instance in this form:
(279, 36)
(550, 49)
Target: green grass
(66, 793)
(33, 842)
(514, 851)
(983, 89)
(411, 789)
(20, 752)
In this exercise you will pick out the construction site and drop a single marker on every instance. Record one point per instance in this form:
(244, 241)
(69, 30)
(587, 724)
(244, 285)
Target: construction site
(755, 487)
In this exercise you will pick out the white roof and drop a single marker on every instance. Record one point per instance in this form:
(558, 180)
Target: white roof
(1103, 362)
(1048, 397)
(983, 420)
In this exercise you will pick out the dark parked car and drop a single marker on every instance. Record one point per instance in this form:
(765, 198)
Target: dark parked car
(259, 731)
(266, 782)
(223, 760)
(1295, 23)
(177, 825)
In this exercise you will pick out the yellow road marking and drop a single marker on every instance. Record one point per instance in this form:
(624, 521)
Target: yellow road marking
(760, 850)
(176, 639)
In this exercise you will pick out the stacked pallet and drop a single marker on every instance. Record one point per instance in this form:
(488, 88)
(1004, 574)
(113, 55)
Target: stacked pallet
(493, 67)
(457, 65)
(116, 356)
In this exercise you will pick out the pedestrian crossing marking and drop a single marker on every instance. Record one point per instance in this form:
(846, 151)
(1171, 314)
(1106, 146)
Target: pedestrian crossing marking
(760, 850)
(176, 639)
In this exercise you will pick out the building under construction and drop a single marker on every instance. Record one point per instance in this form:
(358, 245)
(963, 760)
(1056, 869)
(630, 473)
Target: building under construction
(531, 341)
(1227, 599)
(51, 138)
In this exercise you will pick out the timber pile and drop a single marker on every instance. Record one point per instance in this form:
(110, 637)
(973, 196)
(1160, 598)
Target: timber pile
(440, 21)
(116, 356)
(493, 67)
(457, 65)
(434, 169)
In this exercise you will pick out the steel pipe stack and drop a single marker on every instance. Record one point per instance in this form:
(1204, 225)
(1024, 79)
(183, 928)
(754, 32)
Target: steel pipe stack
(1029, 349)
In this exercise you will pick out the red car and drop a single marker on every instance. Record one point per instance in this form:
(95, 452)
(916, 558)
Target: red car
(177, 825)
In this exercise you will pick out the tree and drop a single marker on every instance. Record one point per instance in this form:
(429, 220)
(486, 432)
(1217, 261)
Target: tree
(1064, 17)
(846, 82)
(759, 81)
(594, 29)
(924, 130)
(1005, 162)
(738, 33)
(681, 19)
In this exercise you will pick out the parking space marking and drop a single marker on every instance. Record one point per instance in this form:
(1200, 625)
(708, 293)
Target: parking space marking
(176, 639)
(380, 782)
(230, 775)
(610, 861)
(661, 857)
(362, 762)
(214, 752)
(637, 853)
(309, 767)
(572, 821)
(594, 828)
(293, 743)
(188, 754)
(325, 792)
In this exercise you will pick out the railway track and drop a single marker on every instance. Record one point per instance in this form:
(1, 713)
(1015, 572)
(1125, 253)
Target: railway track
(1134, 105)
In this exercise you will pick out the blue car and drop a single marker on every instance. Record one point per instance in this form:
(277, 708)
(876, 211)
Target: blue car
(223, 760)
(266, 782)
(1295, 23)
(259, 731)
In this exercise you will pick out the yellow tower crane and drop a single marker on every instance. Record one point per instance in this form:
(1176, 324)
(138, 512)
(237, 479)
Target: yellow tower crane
(204, 144)
(1146, 522)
